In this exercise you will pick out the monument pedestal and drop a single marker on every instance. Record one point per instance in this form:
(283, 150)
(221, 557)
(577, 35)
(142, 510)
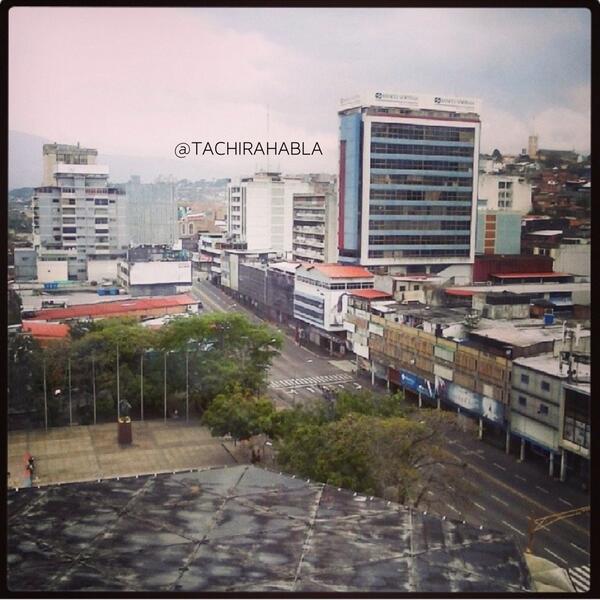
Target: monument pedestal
(124, 431)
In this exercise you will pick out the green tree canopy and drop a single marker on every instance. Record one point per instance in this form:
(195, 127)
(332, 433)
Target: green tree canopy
(240, 414)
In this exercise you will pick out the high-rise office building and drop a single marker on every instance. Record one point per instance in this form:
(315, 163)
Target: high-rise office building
(152, 210)
(260, 210)
(408, 182)
(77, 217)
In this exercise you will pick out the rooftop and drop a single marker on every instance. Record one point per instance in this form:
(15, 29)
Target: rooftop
(335, 271)
(549, 364)
(43, 330)
(370, 294)
(107, 309)
(545, 275)
(523, 336)
(245, 529)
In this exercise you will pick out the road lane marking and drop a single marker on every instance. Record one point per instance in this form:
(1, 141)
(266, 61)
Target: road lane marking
(579, 548)
(542, 489)
(430, 492)
(498, 500)
(499, 466)
(479, 506)
(564, 501)
(309, 389)
(519, 477)
(450, 487)
(513, 528)
(555, 555)
(453, 508)
(543, 509)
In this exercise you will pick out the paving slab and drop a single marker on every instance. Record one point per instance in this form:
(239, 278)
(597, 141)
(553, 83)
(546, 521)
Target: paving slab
(84, 453)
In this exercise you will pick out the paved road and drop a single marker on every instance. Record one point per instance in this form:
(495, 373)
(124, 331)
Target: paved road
(508, 492)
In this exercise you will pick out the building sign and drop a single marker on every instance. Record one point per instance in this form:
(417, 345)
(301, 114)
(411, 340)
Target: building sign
(425, 101)
(416, 384)
(486, 407)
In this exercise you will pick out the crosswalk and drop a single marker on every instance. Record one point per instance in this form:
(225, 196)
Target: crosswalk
(580, 577)
(337, 378)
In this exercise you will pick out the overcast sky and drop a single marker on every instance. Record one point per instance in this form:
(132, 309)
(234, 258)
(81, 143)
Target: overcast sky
(136, 81)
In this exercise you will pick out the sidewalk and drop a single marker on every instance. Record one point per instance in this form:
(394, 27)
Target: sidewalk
(81, 453)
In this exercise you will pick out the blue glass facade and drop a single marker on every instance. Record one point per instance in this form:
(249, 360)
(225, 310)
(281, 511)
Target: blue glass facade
(420, 190)
(350, 179)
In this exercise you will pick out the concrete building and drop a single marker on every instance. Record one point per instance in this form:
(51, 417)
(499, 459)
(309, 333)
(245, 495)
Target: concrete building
(543, 412)
(532, 146)
(260, 210)
(320, 300)
(211, 247)
(152, 212)
(498, 232)
(66, 154)
(504, 192)
(314, 236)
(232, 260)
(155, 271)
(25, 262)
(78, 217)
(408, 182)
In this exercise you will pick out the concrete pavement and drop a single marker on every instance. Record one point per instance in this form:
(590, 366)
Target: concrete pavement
(83, 453)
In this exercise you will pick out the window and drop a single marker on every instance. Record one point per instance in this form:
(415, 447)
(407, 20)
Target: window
(525, 379)
(522, 401)
(545, 386)
(543, 409)
(416, 288)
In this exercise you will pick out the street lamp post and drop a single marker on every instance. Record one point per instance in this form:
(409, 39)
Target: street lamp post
(94, 385)
(45, 397)
(165, 380)
(142, 385)
(118, 387)
(70, 400)
(187, 385)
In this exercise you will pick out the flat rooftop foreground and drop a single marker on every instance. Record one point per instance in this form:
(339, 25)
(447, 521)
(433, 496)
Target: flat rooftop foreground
(244, 529)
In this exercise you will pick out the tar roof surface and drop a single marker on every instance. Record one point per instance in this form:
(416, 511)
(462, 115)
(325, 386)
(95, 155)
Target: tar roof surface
(245, 529)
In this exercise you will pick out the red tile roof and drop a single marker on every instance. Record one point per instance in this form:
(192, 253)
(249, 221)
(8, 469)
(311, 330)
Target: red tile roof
(342, 271)
(41, 329)
(106, 309)
(370, 294)
(521, 275)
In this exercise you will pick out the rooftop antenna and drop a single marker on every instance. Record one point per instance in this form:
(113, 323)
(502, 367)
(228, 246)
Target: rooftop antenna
(267, 137)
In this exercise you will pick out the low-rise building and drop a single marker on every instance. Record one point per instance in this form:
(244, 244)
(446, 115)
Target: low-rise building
(498, 232)
(320, 299)
(156, 271)
(543, 412)
(139, 308)
(504, 192)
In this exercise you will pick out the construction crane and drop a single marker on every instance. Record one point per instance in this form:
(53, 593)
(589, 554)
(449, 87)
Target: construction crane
(542, 522)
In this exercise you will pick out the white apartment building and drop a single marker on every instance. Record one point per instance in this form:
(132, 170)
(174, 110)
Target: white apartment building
(321, 293)
(504, 192)
(260, 210)
(314, 233)
(78, 218)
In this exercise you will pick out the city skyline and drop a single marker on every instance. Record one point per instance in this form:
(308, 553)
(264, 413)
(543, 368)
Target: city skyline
(278, 74)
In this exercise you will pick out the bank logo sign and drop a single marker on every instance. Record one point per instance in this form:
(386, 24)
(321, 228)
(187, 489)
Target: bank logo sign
(423, 101)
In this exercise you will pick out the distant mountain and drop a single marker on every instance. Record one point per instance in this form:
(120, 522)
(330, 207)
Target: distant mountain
(24, 159)
(25, 163)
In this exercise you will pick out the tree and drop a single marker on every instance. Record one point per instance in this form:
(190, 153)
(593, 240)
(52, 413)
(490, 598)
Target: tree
(496, 155)
(14, 308)
(240, 414)
(374, 445)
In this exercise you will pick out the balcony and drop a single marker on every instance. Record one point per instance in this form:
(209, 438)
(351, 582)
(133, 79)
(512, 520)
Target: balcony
(303, 216)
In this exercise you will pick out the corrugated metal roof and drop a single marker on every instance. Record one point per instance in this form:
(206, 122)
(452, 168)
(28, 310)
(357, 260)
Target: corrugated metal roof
(342, 271)
(118, 306)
